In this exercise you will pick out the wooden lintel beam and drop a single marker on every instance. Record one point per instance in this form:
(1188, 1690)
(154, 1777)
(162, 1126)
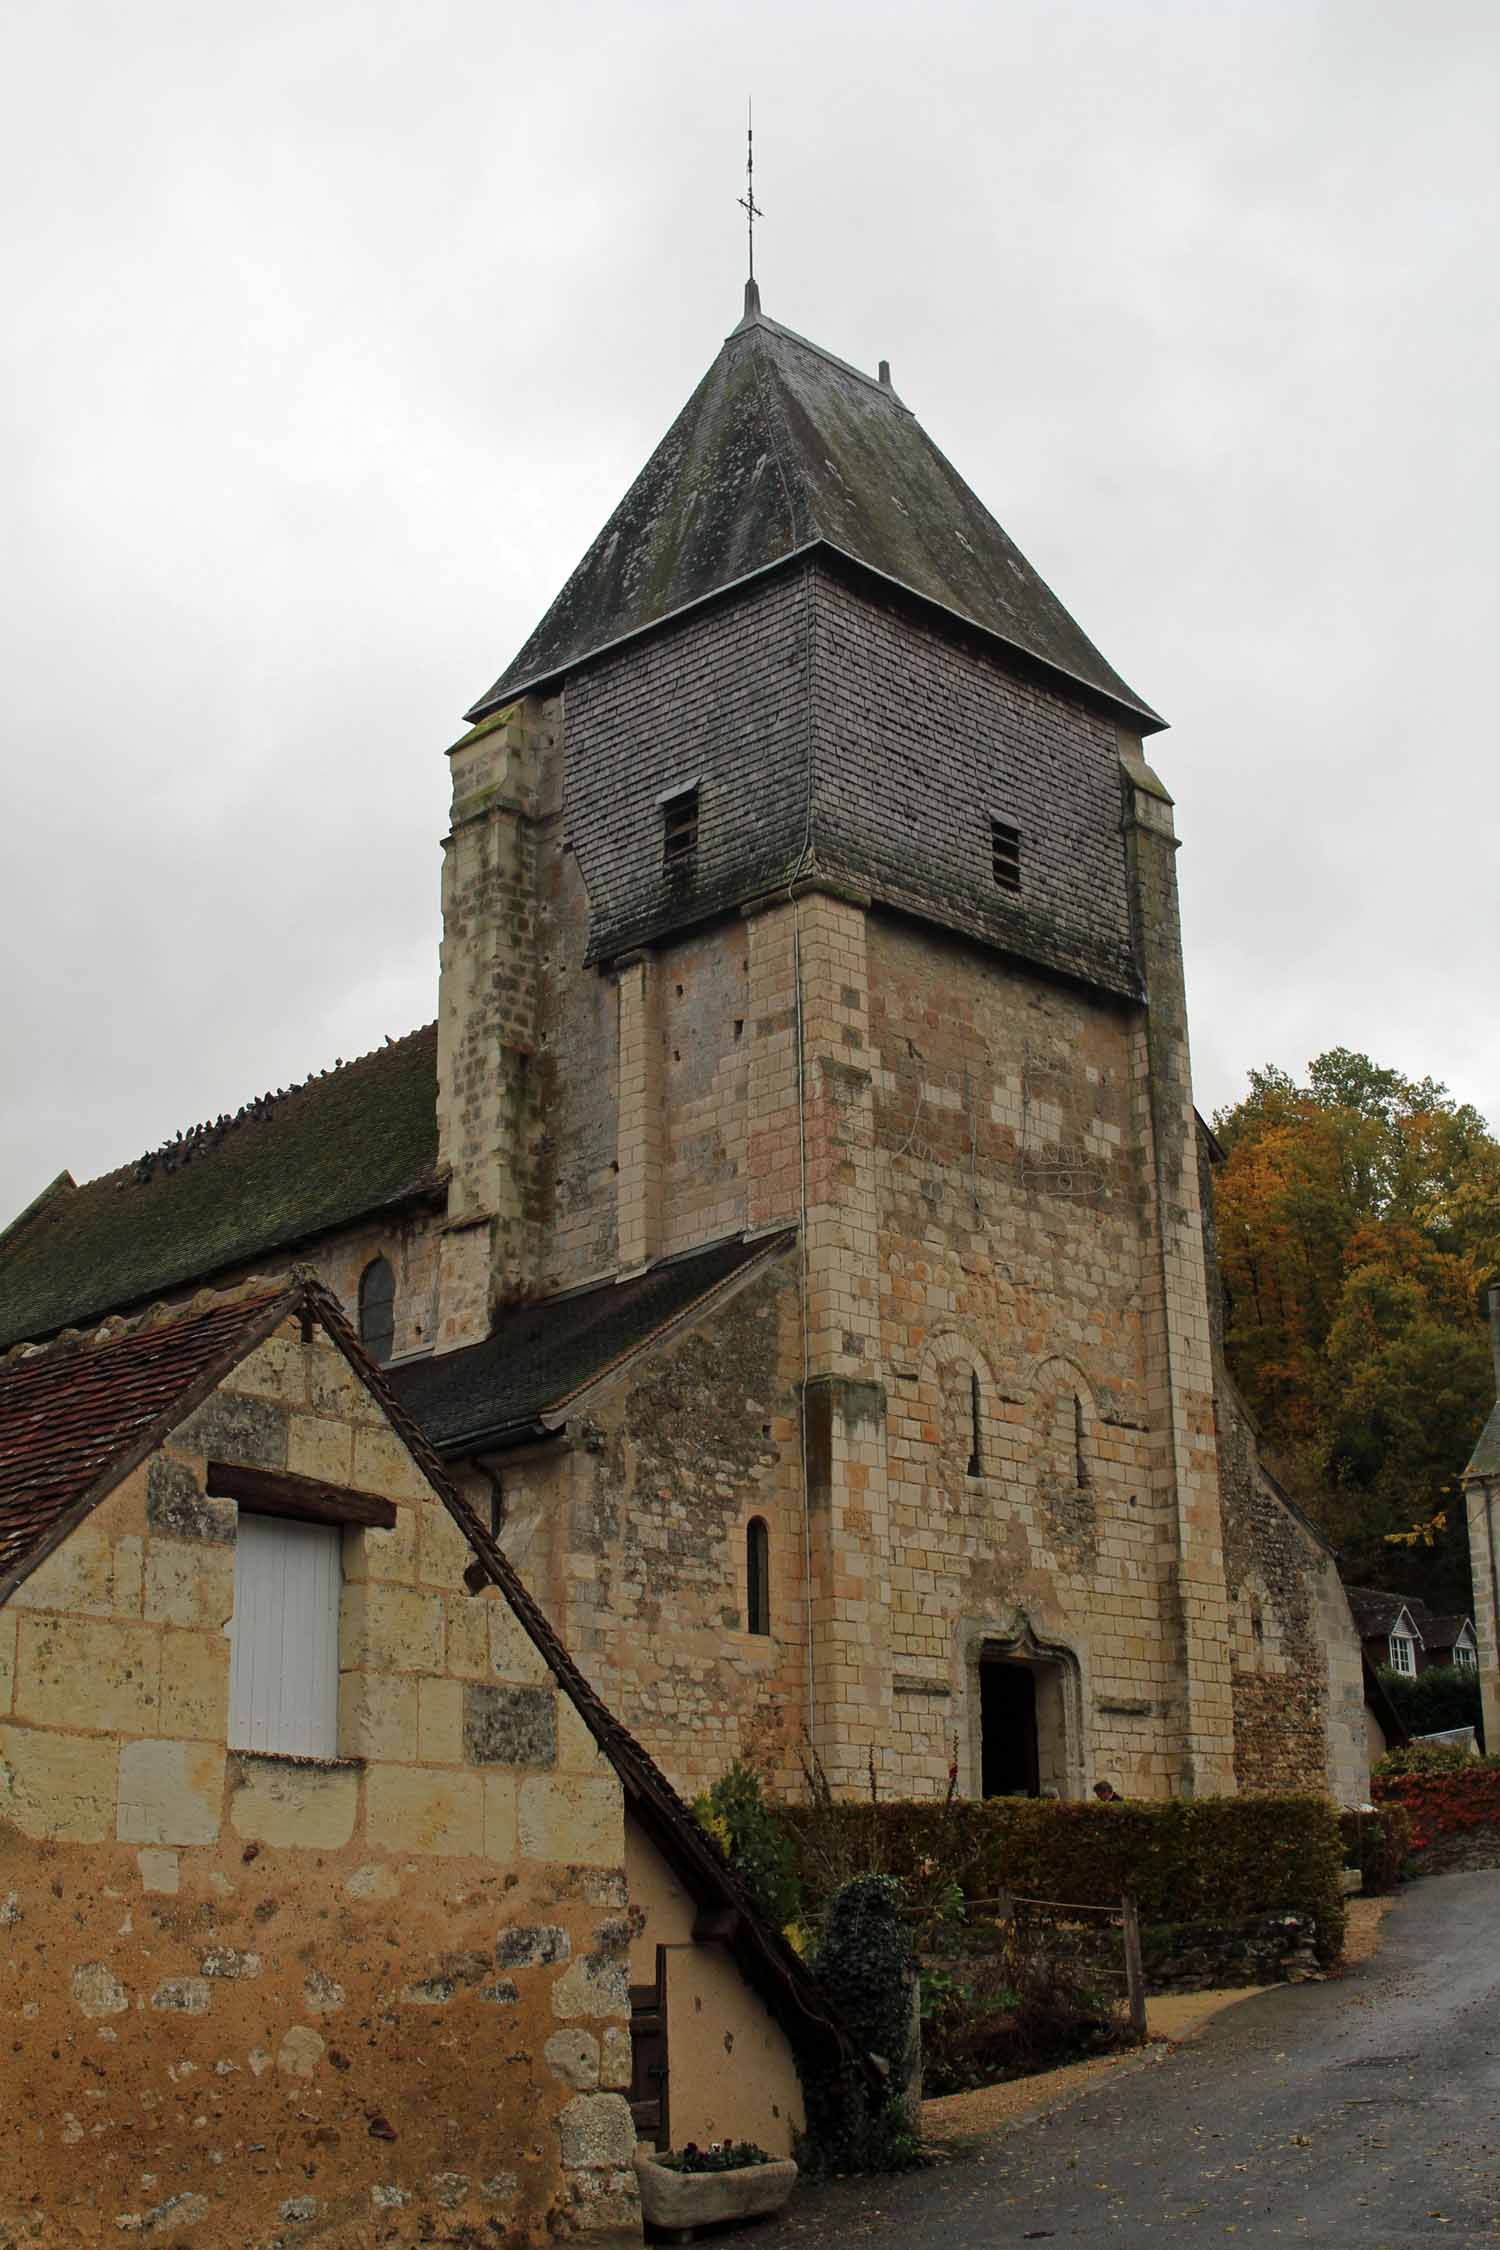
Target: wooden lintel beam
(276, 1492)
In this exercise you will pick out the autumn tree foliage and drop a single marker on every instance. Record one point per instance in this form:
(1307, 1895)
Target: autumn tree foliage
(1358, 1219)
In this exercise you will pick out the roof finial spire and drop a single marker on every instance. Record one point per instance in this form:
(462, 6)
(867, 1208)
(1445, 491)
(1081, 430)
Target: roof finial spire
(751, 209)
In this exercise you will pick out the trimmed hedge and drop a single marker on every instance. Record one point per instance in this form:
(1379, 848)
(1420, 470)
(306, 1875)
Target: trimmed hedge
(1378, 1844)
(1220, 1859)
(1444, 1804)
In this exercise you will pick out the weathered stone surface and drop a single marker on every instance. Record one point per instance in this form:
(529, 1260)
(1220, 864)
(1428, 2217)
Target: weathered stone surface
(317, 1447)
(176, 1507)
(389, 1628)
(440, 1722)
(58, 1785)
(615, 2064)
(596, 2130)
(195, 1684)
(7, 1658)
(182, 1996)
(378, 1716)
(78, 1575)
(572, 1819)
(188, 1583)
(573, 2056)
(700, 2199)
(322, 1995)
(530, 1946)
(512, 1652)
(374, 1881)
(599, 1985)
(160, 1870)
(382, 1464)
(500, 1823)
(275, 1802)
(97, 1991)
(509, 1726)
(227, 1428)
(170, 1792)
(227, 1962)
(300, 2052)
(71, 1666)
(425, 1809)
(444, 1554)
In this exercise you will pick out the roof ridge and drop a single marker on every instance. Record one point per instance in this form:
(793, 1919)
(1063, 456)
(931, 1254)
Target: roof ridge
(256, 1110)
(755, 320)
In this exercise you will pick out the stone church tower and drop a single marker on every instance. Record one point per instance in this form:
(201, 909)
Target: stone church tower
(821, 1302)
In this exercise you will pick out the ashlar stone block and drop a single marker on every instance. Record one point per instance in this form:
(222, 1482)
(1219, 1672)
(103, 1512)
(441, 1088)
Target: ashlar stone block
(378, 1716)
(75, 1667)
(189, 1584)
(572, 1819)
(170, 1792)
(513, 1653)
(372, 1553)
(58, 1786)
(508, 1726)
(195, 1684)
(382, 1464)
(445, 1553)
(440, 1722)
(78, 1575)
(317, 1447)
(391, 1629)
(424, 1809)
(274, 1802)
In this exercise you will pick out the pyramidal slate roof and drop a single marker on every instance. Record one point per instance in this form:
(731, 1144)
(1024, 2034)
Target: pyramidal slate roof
(781, 449)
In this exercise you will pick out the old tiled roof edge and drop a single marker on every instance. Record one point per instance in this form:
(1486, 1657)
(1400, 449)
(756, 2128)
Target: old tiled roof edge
(1378, 1696)
(264, 1311)
(782, 1978)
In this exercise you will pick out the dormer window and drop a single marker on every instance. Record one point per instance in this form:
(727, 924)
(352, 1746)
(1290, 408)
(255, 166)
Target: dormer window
(679, 833)
(1005, 853)
(377, 1310)
(1404, 1655)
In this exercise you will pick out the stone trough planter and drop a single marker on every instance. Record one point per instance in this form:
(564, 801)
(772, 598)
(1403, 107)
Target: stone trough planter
(676, 2204)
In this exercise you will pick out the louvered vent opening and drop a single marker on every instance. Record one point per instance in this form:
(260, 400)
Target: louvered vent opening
(1005, 846)
(679, 833)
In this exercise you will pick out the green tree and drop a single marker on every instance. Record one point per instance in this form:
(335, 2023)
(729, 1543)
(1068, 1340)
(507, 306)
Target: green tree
(1357, 1216)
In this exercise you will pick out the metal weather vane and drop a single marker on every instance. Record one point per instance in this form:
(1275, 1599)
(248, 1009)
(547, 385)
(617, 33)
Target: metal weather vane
(747, 202)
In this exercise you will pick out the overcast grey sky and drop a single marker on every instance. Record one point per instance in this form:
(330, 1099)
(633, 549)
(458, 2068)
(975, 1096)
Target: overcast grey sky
(334, 333)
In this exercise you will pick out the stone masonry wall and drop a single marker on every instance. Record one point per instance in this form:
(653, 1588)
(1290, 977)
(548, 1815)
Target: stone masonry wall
(260, 1999)
(1012, 1250)
(634, 1538)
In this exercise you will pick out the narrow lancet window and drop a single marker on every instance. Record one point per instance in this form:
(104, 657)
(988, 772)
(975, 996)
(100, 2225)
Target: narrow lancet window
(757, 1576)
(1080, 1458)
(976, 1445)
(377, 1310)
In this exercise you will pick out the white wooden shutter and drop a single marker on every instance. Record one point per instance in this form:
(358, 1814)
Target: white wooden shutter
(284, 1661)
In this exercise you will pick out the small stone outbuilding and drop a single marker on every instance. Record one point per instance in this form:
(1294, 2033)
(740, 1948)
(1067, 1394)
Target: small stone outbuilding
(315, 1861)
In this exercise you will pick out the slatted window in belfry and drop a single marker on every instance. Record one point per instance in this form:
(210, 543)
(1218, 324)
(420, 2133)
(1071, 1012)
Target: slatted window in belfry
(284, 1637)
(679, 832)
(757, 1576)
(1005, 854)
(377, 1310)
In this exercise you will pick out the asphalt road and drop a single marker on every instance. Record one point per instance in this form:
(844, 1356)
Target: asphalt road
(1362, 2113)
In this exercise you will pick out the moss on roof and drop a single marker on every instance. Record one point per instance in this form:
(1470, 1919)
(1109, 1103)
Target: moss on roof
(356, 1139)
